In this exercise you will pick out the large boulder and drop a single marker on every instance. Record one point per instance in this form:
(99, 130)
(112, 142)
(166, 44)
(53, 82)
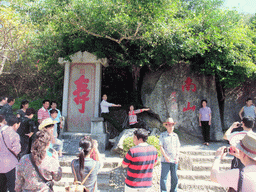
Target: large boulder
(118, 141)
(118, 146)
(177, 93)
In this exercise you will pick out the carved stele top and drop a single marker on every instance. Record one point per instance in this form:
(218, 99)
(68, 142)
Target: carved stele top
(84, 57)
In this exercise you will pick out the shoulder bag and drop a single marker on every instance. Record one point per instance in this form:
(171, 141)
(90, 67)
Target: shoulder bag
(78, 186)
(49, 183)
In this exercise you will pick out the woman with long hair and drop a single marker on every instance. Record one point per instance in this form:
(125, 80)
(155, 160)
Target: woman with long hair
(84, 164)
(27, 177)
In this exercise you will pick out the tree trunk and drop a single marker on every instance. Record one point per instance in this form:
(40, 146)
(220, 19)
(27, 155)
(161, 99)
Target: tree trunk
(135, 77)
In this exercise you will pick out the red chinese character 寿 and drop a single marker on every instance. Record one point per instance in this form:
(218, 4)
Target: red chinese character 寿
(81, 85)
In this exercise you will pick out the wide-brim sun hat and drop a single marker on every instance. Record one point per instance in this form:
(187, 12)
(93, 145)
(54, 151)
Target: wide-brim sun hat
(169, 121)
(46, 122)
(248, 145)
(236, 137)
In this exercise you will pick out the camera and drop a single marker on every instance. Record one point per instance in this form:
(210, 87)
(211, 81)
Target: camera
(239, 124)
(227, 150)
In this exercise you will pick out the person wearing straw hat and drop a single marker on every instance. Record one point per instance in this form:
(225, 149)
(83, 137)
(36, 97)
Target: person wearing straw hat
(169, 144)
(244, 180)
(48, 125)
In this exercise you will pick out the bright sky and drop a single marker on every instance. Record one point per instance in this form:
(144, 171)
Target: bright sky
(243, 6)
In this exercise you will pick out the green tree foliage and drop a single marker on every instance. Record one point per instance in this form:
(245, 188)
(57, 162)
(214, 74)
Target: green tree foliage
(133, 34)
(28, 66)
(15, 38)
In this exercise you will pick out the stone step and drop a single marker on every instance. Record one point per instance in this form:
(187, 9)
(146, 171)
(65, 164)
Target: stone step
(108, 162)
(194, 175)
(200, 185)
(102, 183)
(67, 172)
(209, 159)
(208, 166)
(62, 189)
(198, 152)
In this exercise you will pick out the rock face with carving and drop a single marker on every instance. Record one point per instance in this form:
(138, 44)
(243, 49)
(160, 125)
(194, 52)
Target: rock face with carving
(177, 93)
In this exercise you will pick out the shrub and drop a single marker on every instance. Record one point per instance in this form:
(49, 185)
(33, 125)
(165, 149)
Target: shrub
(152, 140)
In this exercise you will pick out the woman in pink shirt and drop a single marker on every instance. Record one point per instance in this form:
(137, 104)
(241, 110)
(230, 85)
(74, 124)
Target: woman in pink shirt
(205, 121)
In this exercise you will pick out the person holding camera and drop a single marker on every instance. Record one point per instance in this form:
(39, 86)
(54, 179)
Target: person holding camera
(238, 129)
(241, 180)
(86, 166)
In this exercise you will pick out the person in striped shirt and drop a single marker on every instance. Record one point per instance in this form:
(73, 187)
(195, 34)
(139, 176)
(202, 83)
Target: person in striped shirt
(43, 113)
(140, 161)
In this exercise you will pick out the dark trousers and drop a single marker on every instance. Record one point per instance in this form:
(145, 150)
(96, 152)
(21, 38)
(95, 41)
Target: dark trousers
(108, 117)
(206, 130)
(140, 124)
(24, 142)
(58, 129)
(7, 181)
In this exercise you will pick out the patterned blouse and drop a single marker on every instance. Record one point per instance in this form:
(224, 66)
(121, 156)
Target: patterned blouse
(27, 179)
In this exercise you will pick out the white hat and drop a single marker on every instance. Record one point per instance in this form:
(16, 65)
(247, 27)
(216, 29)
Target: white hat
(248, 145)
(46, 122)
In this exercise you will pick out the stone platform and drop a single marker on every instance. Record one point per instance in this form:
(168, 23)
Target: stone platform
(71, 142)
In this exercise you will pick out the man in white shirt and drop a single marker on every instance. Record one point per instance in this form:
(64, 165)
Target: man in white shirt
(104, 106)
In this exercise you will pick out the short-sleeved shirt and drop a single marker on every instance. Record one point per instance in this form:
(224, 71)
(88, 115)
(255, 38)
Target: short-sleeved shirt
(42, 114)
(88, 165)
(230, 178)
(104, 105)
(133, 117)
(58, 116)
(140, 160)
(249, 111)
(171, 145)
(205, 113)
